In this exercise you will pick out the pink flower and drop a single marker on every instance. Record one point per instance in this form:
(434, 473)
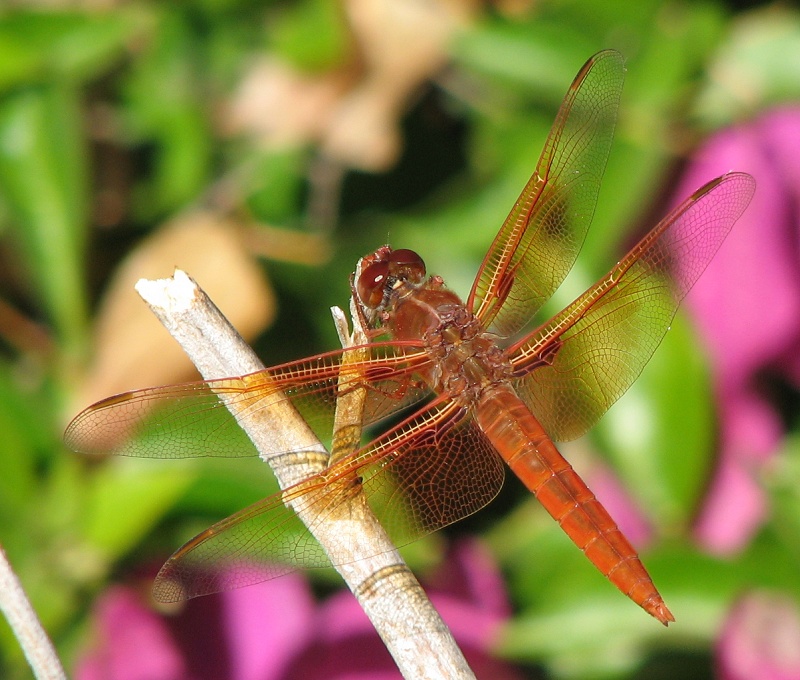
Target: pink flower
(246, 634)
(747, 308)
(760, 640)
(611, 492)
(127, 630)
(275, 630)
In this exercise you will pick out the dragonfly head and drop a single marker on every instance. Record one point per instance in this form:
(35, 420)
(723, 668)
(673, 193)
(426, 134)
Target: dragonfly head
(385, 271)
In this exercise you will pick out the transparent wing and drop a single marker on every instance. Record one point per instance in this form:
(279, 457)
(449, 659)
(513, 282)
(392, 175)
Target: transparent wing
(431, 470)
(542, 235)
(581, 361)
(191, 419)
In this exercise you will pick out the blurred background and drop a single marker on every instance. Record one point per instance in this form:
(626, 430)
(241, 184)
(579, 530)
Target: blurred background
(263, 147)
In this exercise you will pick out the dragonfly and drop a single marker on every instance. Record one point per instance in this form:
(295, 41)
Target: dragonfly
(468, 387)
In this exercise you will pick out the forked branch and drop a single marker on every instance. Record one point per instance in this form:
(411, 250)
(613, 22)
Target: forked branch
(416, 637)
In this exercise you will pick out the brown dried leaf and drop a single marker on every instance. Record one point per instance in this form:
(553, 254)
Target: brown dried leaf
(131, 348)
(282, 107)
(353, 113)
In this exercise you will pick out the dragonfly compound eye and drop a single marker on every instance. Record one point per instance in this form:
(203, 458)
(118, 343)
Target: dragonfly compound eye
(407, 265)
(371, 283)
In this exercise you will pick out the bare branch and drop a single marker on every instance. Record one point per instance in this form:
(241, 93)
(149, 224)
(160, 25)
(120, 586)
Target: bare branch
(26, 626)
(412, 630)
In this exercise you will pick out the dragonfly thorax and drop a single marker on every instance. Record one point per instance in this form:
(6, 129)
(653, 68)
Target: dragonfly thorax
(467, 358)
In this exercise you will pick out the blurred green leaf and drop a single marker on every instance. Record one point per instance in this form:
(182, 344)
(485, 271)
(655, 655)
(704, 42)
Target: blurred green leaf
(37, 46)
(542, 564)
(42, 543)
(583, 627)
(660, 433)
(223, 486)
(659, 81)
(277, 185)
(43, 178)
(592, 637)
(755, 69)
(22, 440)
(312, 34)
(782, 480)
(453, 230)
(542, 57)
(166, 112)
(127, 498)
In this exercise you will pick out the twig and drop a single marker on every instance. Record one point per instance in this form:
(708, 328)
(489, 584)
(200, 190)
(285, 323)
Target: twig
(26, 625)
(410, 627)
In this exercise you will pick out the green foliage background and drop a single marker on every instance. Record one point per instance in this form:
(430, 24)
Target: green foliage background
(471, 138)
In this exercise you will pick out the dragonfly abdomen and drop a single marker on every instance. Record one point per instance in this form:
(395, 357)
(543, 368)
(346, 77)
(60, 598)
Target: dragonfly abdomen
(526, 448)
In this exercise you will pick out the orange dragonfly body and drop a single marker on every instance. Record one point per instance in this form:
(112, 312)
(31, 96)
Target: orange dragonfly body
(492, 401)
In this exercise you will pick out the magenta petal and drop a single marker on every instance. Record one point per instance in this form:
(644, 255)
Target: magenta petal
(747, 309)
(467, 588)
(266, 625)
(340, 616)
(735, 505)
(468, 593)
(747, 303)
(780, 129)
(471, 574)
(760, 640)
(345, 646)
(790, 365)
(134, 642)
(733, 510)
(616, 499)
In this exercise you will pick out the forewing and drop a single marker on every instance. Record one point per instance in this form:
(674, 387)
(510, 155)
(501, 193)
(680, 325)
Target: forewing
(191, 419)
(580, 362)
(542, 235)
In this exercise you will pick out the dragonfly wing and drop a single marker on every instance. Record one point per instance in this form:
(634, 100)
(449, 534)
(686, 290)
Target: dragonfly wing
(417, 478)
(261, 542)
(193, 419)
(445, 470)
(542, 235)
(580, 362)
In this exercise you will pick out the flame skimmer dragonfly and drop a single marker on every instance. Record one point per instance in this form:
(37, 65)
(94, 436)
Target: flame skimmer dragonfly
(492, 401)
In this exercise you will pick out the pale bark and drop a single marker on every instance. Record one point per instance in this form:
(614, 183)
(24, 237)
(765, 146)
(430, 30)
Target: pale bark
(416, 637)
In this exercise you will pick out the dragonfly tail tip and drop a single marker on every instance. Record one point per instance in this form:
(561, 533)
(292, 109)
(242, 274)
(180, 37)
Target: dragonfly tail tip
(662, 613)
